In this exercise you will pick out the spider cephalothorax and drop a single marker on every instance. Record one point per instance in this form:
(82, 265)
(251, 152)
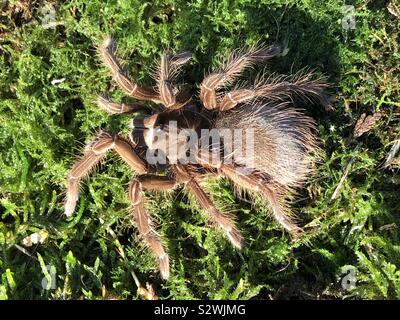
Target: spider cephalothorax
(170, 142)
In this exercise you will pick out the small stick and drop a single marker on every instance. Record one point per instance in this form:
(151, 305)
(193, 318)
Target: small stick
(392, 153)
(148, 292)
(23, 250)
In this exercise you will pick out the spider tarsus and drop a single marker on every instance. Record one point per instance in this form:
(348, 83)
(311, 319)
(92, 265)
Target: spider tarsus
(236, 238)
(108, 43)
(71, 197)
(281, 214)
(164, 266)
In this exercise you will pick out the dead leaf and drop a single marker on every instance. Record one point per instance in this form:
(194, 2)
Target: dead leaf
(366, 123)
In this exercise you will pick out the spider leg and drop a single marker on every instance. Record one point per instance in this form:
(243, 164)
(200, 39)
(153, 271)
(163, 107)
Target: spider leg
(269, 190)
(222, 220)
(167, 72)
(112, 107)
(230, 71)
(143, 219)
(281, 88)
(107, 52)
(94, 152)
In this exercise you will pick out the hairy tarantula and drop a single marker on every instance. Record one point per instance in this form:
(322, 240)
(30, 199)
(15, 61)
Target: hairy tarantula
(283, 140)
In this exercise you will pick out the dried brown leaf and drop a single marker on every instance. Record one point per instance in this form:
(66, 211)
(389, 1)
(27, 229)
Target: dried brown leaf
(366, 123)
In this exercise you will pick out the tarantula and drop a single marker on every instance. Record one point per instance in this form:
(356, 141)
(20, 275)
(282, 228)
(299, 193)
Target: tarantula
(284, 139)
